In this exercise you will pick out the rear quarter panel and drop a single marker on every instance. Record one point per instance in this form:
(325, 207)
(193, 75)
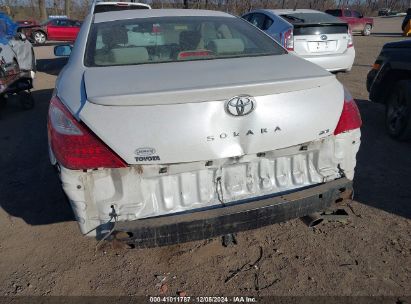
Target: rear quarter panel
(395, 65)
(278, 29)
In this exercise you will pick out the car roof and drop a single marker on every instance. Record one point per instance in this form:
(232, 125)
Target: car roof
(291, 11)
(131, 14)
(116, 3)
(398, 44)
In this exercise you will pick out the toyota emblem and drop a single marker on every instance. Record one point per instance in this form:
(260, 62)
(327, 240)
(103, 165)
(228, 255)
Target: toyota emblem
(323, 37)
(240, 105)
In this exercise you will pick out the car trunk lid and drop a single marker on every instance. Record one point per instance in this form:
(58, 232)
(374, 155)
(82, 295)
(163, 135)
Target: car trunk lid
(320, 39)
(175, 114)
(198, 81)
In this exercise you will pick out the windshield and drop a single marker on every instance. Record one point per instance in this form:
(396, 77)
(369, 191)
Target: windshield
(310, 18)
(102, 8)
(335, 13)
(171, 39)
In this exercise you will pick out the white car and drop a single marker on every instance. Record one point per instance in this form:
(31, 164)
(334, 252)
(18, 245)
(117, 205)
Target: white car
(214, 129)
(313, 35)
(109, 6)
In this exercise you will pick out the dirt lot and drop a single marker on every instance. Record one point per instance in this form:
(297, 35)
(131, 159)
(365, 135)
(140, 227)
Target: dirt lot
(43, 253)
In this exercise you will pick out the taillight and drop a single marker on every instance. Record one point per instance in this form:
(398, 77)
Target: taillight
(376, 66)
(74, 145)
(289, 40)
(350, 117)
(350, 41)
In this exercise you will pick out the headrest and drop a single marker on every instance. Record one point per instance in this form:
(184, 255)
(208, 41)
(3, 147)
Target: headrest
(129, 55)
(224, 32)
(189, 40)
(115, 35)
(226, 46)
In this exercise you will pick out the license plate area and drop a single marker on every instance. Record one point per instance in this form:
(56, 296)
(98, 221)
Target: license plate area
(322, 46)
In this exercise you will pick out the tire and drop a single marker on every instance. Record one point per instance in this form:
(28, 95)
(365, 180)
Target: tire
(398, 111)
(367, 30)
(39, 37)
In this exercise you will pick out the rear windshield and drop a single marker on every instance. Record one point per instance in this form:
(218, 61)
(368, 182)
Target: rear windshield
(319, 30)
(310, 18)
(102, 8)
(335, 13)
(171, 39)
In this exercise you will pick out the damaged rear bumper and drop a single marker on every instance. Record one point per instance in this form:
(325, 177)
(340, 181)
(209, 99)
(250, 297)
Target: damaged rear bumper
(184, 227)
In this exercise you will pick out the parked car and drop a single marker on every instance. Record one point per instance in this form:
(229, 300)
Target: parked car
(389, 83)
(312, 35)
(17, 59)
(357, 22)
(28, 22)
(101, 7)
(223, 131)
(384, 12)
(57, 29)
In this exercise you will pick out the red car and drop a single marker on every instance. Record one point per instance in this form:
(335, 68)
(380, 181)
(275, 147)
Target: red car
(27, 23)
(356, 21)
(54, 29)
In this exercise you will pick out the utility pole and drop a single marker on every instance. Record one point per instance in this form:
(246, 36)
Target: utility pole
(43, 11)
(67, 8)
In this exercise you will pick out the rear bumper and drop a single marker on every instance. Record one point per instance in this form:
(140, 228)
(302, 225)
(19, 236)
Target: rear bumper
(334, 63)
(179, 228)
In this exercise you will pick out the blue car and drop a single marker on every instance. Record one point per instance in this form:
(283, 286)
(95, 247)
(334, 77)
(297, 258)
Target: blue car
(313, 35)
(278, 28)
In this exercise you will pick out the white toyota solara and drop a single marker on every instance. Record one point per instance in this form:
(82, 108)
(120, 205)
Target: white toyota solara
(176, 125)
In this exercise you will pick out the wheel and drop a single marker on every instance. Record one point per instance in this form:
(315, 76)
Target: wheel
(367, 30)
(39, 37)
(398, 110)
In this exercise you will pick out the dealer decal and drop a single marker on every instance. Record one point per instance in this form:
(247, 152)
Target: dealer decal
(146, 154)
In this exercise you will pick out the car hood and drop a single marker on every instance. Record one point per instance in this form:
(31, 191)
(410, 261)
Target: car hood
(200, 81)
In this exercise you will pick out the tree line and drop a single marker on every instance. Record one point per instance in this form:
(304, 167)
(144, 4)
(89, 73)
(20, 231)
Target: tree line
(41, 9)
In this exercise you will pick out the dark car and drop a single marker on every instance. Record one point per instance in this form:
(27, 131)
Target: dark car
(406, 19)
(389, 82)
(58, 29)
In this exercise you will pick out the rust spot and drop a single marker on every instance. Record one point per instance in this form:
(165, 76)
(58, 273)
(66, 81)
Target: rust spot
(140, 169)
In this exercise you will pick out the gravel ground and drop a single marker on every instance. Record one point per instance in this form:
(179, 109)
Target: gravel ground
(43, 253)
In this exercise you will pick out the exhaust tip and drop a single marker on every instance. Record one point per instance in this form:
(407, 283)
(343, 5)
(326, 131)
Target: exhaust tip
(312, 220)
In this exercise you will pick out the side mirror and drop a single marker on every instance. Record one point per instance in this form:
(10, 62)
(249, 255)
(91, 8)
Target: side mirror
(361, 16)
(20, 36)
(62, 50)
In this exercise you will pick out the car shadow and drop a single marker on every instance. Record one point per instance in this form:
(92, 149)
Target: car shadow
(399, 34)
(368, 66)
(51, 66)
(382, 178)
(29, 187)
